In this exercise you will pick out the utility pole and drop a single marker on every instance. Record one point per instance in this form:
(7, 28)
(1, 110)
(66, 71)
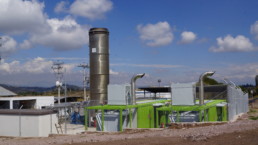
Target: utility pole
(58, 70)
(0, 47)
(85, 79)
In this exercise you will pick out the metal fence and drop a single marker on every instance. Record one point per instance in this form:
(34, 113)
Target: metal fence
(70, 117)
(237, 102)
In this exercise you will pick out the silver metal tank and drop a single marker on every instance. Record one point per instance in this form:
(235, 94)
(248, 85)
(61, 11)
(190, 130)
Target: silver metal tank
(99, 64)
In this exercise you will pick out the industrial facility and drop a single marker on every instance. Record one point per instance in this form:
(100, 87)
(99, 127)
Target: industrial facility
(115, 107)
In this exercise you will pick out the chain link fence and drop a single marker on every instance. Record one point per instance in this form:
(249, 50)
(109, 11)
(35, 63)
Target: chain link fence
(237, 102)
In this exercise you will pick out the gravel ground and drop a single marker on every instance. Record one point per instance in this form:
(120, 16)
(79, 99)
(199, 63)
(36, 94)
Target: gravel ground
(192, 134)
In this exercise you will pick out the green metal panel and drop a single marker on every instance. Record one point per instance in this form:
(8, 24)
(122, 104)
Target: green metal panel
(118, 107)
(212, 114)
(192, 107)
(145, 117)
(224, 113)
(146, 110)
(162, 117)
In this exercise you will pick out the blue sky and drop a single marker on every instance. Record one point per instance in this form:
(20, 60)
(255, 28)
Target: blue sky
(171, 40)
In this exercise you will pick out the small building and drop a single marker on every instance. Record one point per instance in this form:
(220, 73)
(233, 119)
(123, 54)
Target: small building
(27, 122)
(26, 102)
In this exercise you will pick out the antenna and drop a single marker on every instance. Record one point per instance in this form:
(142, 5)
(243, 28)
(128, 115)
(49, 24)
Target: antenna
(85, 78)
(57, 67)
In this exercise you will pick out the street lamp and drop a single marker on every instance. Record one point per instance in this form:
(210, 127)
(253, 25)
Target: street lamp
(159, 81)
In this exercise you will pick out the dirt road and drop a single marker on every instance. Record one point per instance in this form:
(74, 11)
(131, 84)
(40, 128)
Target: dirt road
(243, 131)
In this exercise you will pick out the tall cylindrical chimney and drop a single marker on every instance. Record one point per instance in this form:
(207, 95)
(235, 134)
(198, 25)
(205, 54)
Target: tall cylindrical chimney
(99, 64)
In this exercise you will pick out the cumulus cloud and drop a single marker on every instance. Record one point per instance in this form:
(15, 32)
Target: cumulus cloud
(155, 35)
(91, 9)
(27, 17)
(230, 44)
(187, 37)
(254, 30)
(18, 16)
(8, 45)
(64, 34)
(61, 7)
(35, 66)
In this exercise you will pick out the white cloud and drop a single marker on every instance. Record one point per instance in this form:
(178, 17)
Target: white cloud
(155, 35)
(37, 65)
(8, 45)
(254, 30)
(18, 16)
(23, 16)
(64, 34)
(230, 44)
(113, 72)
(147, 65)
(187, 37)
(240, 74)
(92, 9)
(61, 7)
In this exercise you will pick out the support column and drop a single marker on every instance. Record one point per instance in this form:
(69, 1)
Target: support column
(120, 120)
(102, 119)
(86, 118)
(157, 118)
(130, 117)
(11, 104)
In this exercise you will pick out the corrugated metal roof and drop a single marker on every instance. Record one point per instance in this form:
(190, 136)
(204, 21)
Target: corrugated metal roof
(4, 92)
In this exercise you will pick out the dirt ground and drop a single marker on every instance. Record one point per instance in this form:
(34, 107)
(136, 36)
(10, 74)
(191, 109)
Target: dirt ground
(249, 137)
(242, 131)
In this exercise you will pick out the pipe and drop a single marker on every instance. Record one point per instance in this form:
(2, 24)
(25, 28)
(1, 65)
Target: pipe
(133, 80)
(201, 90)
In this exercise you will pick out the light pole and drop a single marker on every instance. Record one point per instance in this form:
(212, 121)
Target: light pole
(159, 81)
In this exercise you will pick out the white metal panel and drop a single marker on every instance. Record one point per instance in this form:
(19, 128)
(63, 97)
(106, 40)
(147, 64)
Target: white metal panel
(183, 93)
(119, 94)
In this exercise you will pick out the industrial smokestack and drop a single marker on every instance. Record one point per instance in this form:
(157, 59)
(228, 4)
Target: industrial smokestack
(99, 64)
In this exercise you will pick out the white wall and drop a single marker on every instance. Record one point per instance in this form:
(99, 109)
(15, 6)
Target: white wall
(40, 100)
(27, 125)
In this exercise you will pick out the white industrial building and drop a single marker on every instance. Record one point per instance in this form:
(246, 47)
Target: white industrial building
(26, 102)
(27, 122)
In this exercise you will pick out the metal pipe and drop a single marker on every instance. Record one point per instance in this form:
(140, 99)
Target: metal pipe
(201, 90)
(133, 80)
